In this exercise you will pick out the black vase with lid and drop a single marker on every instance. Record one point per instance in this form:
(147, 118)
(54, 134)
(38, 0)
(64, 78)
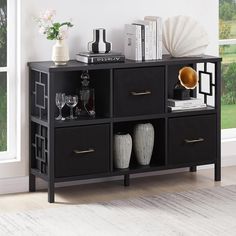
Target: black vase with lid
(99, 43)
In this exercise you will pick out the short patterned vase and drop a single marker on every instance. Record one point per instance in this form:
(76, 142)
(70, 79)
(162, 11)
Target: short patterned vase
(143, 142)
(60, 53)
(99, 43)
(122, 150)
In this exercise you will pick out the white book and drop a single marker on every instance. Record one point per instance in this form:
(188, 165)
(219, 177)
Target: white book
(132, 35)
(147, 38)
(150, 40)
(159, 37)
(154, 40)
(153, 35)
(187, 108)
(158, 26)
(185, 103)
(138, 43)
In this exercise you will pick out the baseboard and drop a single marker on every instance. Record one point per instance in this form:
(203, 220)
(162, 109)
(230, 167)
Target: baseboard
(20, 184)
(14, 185)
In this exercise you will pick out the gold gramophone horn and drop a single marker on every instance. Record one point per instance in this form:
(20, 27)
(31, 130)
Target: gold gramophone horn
(188, 77)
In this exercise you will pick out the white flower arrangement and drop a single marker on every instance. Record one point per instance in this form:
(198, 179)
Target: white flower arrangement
(52, 30)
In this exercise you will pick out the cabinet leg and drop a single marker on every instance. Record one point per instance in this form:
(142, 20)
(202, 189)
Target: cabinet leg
(217, 172)
(193, 169)
(51, 192)
(126, 180)
(32, 183)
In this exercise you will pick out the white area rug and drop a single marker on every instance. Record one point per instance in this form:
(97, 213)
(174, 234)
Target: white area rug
(200, 212)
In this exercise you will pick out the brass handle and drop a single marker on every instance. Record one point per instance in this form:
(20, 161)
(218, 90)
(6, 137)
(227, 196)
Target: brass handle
(194, 140)
(141, 93)
(84, 151)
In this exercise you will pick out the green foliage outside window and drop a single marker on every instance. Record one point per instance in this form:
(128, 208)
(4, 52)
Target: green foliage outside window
(3, 117)
(3, 33)
(227, 30)
(227, 9)
(229, 82)
(3, 82)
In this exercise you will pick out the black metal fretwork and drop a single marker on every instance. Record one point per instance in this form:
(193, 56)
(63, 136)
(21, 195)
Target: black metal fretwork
(211, 85)
(40, 146)
(39, 95)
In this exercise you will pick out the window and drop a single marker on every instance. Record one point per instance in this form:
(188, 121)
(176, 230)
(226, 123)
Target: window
(7, 79)
(227, 42)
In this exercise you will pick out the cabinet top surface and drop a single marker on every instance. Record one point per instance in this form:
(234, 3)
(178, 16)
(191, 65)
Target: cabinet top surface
(48, 66)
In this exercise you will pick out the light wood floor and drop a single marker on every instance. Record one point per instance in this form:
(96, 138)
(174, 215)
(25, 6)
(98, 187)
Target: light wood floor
(99, 192)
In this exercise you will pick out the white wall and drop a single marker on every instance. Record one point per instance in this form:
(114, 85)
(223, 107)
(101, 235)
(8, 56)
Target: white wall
(87, 15)
(111, 15)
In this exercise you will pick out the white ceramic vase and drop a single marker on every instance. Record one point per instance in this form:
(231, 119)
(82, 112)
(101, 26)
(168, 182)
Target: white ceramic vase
(60, 53)
(122, 150)
(143, 142)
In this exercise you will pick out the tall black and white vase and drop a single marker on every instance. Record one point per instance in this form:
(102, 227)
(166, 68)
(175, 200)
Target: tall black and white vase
(99, 43)
(122, 150)
(143, 142)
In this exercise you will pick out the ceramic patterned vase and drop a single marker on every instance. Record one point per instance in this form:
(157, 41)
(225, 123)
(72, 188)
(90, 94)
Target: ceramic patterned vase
(60, 53)
(143, 142)
(99, 43)
(122, 150)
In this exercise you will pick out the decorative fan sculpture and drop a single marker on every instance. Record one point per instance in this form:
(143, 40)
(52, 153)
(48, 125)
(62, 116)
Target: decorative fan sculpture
(183, 37)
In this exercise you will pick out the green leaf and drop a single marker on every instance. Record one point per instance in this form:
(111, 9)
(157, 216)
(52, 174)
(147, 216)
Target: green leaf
(56, 26)
(51, 37)
(67, 23)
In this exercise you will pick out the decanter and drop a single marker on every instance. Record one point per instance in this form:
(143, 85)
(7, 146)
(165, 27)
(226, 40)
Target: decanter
(87, 97)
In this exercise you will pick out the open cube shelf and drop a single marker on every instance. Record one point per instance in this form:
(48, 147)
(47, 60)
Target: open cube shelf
(158, 155)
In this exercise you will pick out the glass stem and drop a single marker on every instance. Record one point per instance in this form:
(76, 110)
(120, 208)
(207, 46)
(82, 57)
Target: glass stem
(60, 112)
(71, 112)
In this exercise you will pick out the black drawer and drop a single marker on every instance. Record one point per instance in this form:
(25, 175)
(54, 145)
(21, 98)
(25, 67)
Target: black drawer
(81, 150)
(192, 139)
(139, 91)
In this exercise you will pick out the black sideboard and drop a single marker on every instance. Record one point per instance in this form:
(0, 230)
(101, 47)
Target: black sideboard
(52, 142)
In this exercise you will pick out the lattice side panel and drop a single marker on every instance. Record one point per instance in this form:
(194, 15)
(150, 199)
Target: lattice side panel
(39, 95)
(39, 153)
(207, 82)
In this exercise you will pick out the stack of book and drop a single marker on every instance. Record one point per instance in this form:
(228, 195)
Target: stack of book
(143, 39)
(97, 58)
(181, 105)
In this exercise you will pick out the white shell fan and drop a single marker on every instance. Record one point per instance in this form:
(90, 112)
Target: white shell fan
(183, 37)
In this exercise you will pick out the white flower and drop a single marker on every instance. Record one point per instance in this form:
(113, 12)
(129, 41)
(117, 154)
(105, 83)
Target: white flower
(63, 32)
(48, 15)
(42, 30)
(52, 30)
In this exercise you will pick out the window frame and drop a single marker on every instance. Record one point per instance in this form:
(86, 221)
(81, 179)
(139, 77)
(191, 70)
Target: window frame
(11, 70)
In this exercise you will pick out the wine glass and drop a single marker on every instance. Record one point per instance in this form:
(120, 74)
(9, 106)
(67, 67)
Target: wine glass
(71, 102)
(60, 103)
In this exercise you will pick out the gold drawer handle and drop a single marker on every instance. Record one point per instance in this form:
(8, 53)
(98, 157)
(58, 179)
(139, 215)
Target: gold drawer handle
(194, 140)
(84, 151)
(141, 93)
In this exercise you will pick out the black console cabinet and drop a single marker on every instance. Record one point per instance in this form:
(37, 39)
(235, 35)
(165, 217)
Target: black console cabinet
(118, 108)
